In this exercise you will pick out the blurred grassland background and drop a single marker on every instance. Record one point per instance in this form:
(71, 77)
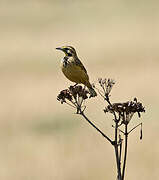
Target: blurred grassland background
(42, 139)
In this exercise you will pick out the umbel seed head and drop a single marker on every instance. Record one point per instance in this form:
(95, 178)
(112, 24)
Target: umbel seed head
(72, 93)
(126, 110)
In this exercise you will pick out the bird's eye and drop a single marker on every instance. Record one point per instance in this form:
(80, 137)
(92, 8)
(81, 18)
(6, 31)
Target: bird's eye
(69, 53)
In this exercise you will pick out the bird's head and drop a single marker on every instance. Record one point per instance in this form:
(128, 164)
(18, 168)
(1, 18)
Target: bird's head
(68, 50)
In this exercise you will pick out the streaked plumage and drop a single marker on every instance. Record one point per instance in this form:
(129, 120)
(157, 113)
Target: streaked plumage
(73, 69)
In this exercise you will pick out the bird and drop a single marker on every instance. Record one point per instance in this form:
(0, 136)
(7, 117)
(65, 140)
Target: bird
(74, 70)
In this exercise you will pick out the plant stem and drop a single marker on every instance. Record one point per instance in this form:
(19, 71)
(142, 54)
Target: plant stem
(135, 128)
(116, 151)
(120, 149)
(125, 152)
(105, 136)
(119, 177)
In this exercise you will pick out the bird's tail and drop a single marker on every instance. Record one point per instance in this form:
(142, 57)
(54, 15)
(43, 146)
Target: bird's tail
(92, 92)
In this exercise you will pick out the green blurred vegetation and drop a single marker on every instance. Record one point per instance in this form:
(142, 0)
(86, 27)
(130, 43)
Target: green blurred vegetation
(52, 126)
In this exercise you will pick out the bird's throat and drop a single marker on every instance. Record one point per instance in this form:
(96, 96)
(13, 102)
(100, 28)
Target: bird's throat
(65, 61)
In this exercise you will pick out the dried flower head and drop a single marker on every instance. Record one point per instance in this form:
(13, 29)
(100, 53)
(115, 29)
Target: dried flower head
(106, 84)
(64, 94)
(73, 96)
(78, 91)
(126, 110)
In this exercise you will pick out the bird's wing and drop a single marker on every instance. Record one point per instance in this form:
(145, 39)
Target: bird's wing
(78, 63)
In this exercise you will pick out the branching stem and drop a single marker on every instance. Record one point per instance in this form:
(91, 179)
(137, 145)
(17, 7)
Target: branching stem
(75, 97)
(134, 128)
(85, 117)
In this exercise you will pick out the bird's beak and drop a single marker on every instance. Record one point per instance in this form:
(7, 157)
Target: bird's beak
(59, 48)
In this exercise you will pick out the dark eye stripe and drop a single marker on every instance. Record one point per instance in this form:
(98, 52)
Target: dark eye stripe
(68, 51)
(69, 54)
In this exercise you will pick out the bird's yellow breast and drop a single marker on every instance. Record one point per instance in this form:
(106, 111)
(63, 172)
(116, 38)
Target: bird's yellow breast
(74, 72)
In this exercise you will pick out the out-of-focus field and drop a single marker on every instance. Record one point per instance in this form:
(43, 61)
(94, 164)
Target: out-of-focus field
(42, 139)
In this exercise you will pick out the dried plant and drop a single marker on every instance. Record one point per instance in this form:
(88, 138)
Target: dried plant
(75, 96)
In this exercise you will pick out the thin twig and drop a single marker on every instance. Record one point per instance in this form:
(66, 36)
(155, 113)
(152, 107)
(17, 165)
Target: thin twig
(107, 99)
(134, 128)
(74, 103)
(70, 104)
(103, 88)
(105, 136)
(100, 93)
(119, 129)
